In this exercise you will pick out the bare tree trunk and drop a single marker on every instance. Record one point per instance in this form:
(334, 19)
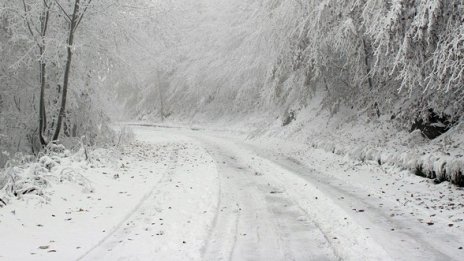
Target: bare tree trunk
(366, 62)
(40, 40)
(42, 112)
(70, 42)
(43, 73)
(161, 98)
(368, 73)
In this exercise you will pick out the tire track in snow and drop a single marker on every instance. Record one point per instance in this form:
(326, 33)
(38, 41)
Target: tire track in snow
(375, 219)
(169, 170)
(406, 235)
(213, 246)
(216, 214)
(255, 222)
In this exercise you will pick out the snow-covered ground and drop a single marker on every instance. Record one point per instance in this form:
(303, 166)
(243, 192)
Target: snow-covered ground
(182, 194)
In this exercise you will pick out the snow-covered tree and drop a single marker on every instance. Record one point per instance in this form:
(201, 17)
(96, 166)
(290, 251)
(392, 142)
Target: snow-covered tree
(58, 61)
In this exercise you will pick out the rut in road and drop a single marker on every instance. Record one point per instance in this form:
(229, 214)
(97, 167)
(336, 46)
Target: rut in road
(112, 238)
(256, 220)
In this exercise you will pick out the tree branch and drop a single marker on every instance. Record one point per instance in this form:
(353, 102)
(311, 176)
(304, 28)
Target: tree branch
(64, 11)
(45, 19)
(27, 20)
(82, 15)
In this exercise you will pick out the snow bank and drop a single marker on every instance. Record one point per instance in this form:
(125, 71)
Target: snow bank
(26, 175)
(381, 141)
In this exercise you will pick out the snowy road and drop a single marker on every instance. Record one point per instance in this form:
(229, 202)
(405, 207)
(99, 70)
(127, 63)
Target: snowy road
(252, 219)
(255, 218)
(199, 195)
(270, 207)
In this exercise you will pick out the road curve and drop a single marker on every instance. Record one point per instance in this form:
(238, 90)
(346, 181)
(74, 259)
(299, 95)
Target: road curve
(265, 206)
